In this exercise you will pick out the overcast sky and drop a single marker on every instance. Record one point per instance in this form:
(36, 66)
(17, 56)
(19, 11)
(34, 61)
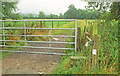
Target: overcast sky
(48, 6)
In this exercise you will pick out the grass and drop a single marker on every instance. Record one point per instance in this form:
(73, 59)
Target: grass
(80, 23)
(108, 53)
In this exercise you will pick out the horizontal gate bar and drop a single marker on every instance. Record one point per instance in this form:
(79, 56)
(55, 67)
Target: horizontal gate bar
(40, 35)
(39, 47)
(41, 28)
(38, 20)
(41, 42)
(33, 52)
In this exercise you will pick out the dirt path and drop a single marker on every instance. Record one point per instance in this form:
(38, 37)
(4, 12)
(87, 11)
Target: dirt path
(32, 63)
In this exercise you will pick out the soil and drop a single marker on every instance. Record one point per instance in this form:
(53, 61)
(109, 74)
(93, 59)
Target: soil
(19, 63)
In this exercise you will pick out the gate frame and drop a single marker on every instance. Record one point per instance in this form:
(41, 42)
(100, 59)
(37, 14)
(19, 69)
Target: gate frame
(50, 20)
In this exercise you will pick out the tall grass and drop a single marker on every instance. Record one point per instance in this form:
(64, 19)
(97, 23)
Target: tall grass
(108, 53)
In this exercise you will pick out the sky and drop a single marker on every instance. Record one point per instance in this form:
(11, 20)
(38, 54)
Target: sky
(48, 6)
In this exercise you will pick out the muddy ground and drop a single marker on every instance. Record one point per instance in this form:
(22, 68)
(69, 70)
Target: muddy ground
(17, 63)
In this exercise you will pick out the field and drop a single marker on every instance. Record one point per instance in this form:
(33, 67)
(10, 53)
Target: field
(108, 45)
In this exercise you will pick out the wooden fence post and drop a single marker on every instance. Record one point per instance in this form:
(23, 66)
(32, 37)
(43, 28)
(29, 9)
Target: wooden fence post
(52, 24)
(91, 31)
(95, 54)
(78, 39)
(41, 24)
(58, 23)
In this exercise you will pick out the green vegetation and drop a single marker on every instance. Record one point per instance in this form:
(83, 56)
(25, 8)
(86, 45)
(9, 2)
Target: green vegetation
(113, 8)
(108, 53)
(41, 15)
(8, 10)
(71, 13)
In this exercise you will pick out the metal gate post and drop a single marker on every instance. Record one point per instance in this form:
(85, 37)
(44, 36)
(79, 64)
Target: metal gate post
(25, 34)
(50, 34)
(4, 34)
(75, 36)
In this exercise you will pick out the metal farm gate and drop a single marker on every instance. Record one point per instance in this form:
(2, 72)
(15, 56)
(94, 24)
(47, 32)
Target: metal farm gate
(3, 35)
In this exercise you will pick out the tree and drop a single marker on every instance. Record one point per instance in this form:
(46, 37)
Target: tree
(53, 16)
(61, 16)
(81, 14)
(103, 8)
(115, 10)
(99, 6)
(9, 8)
(87, 14)
(30, 15)
(108, 10)
(71, 12)
(41, 14)
(16, 16)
